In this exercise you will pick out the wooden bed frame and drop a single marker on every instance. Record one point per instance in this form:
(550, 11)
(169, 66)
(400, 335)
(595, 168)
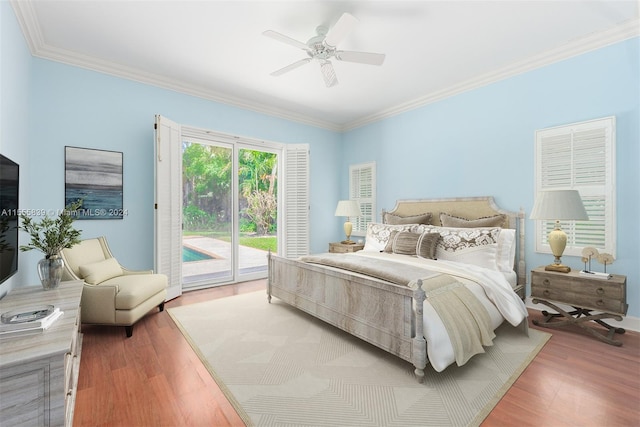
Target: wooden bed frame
(379, 312)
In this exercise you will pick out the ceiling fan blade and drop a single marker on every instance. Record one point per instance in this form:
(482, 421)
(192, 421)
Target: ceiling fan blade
(290, 67)
(285, 39)
(340, 30)
(360, 57)
(328, 74)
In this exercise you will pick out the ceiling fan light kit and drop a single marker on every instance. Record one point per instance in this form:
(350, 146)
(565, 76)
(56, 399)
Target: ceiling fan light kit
(322, 47)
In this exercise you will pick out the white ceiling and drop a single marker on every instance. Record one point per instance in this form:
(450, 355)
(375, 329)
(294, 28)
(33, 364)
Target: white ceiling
(216, 50)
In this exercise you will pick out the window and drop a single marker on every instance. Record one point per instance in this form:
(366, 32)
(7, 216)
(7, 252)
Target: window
(362, 188)
(580, 156)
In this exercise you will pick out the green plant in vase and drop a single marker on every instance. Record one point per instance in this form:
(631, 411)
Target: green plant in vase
(50, 236)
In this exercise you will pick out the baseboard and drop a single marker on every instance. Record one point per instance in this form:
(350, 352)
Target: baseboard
(628, 322)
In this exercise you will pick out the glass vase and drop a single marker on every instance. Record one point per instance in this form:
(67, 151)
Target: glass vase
(50, 272)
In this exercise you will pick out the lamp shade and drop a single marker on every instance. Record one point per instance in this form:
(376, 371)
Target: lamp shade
(559, 205)
(348, 208)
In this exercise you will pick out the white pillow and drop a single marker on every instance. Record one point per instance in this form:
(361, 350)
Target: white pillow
(98, 272)
(477, 246)
(506, 250)
(378, 235)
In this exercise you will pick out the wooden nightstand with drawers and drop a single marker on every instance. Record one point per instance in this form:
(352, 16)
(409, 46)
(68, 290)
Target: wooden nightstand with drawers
(343, 248)
(606, 297)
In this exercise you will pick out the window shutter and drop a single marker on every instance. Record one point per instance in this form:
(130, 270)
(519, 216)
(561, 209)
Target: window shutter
(580, 156)
(168, 206)
(296, 201)
(362, 188)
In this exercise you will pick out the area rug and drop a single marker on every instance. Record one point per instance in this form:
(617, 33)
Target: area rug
(279, 366)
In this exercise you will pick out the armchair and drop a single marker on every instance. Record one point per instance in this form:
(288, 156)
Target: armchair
(112, 294)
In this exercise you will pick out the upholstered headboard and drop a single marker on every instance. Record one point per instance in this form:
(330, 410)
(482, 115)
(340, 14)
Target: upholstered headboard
(469, 208)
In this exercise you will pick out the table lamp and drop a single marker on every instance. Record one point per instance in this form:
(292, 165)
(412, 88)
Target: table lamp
(558, 205)
(348, 208)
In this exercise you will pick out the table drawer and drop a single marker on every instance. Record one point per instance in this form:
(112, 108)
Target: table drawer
(582, 300)
(579, 291)
(595, 287)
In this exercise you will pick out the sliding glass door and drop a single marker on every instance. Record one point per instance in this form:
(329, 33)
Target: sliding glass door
(229, 214)
(222, 202)
(257, 210)
(207, 213)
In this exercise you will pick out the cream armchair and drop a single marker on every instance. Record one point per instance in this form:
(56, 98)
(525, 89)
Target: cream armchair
(112, 295)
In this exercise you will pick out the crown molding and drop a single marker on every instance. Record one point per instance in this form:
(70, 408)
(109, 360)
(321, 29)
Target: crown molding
(31, 29)
(577, 47)
(29, 24)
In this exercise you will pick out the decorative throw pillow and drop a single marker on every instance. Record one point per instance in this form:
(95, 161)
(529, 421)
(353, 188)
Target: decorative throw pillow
(478, 246)
(427, 244)
(410, 243)
(98, 272)
(378, 235)
(488, 221)
(392, 219)
(402, 242)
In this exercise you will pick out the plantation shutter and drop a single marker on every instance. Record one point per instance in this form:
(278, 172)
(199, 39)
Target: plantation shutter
(580, 156)
(168, 204)
(362, 188)
(296, 201)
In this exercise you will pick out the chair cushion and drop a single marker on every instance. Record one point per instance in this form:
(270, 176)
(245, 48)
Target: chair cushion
(98, 272)
(85, 252)
(134, 289)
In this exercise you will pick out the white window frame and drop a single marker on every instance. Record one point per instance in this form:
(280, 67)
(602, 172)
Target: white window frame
(362, 188)
(580, 156)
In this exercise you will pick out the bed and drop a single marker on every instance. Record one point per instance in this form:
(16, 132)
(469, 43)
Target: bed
(468, 255)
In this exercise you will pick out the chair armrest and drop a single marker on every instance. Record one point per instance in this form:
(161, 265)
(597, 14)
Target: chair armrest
(126, 271)
(98, 304)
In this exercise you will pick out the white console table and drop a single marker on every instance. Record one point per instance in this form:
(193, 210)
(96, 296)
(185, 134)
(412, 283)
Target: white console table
(39, 372)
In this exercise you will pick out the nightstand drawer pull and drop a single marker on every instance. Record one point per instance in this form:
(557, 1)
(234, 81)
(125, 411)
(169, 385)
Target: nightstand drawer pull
(600, 291)
(546, 282)
(599, 303)
(546, 293)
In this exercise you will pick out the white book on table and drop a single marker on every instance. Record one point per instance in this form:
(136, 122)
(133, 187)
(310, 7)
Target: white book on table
(32, 326)
(596, 275)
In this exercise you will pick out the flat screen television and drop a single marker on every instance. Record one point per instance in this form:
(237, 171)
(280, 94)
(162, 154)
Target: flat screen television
(9, 187)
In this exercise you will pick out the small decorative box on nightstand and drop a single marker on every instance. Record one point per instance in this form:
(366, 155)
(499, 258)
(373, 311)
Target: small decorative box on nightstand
(343, 248)
(608, 297)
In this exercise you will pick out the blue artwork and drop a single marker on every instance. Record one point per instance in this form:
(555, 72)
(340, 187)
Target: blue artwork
(95, 176)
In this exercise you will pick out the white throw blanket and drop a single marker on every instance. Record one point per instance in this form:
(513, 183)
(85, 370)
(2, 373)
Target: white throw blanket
(490, 286)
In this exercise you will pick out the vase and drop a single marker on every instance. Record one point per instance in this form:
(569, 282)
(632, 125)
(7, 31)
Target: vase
(50, 272)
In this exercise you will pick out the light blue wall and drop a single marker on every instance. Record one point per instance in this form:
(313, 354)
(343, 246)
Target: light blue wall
(482, 143)
(76, 107)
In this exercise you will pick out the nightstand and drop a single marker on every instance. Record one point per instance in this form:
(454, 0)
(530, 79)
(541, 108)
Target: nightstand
(607, 297)
(342, 248)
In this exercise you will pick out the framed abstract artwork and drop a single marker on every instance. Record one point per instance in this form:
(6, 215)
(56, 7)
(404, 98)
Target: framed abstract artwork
(95, 177)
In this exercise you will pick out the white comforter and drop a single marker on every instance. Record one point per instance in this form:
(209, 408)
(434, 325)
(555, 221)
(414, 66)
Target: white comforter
(491, 287)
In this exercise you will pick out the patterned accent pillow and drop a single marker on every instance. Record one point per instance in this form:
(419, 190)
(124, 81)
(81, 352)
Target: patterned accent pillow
(478, 246)
(378, 235)
(392, 219)
(427, 245)
(402, 242)
(410, 243)
(487, 221)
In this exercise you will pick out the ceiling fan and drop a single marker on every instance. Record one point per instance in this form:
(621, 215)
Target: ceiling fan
(322, 47)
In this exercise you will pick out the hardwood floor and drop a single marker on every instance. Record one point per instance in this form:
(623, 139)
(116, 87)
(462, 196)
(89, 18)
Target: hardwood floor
(155, 379)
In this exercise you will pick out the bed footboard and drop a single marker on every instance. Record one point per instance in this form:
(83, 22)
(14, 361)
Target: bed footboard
(376, 311)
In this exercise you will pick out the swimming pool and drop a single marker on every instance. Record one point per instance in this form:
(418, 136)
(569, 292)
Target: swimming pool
(190, 255)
